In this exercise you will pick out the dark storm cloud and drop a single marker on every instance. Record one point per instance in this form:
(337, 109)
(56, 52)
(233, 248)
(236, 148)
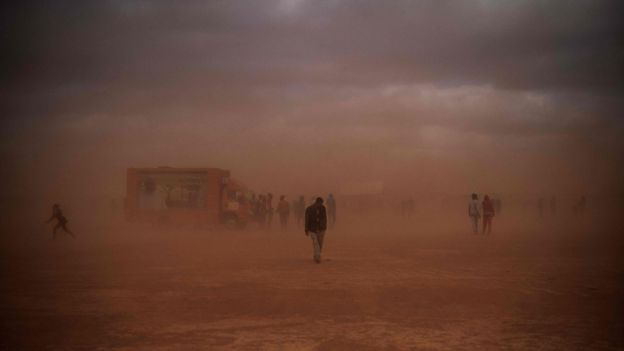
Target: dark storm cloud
(87, 57)
(526, 45)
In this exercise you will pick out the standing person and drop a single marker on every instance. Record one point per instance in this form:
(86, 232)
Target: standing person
(331, 208)
(283, 209)
(488, 213)
(540, 206)
(473, 213)
(315, 226)
(269, 210)
(61, 221)
(553, 205)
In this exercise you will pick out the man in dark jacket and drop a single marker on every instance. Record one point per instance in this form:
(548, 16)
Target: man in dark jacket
(315, 226)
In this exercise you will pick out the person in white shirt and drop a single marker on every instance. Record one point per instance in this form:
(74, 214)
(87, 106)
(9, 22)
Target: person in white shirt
(473, 213)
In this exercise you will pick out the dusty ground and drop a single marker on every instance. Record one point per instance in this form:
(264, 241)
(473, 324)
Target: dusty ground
(381, 286)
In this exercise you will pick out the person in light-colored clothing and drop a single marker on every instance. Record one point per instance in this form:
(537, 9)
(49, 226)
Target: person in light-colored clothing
(473, 213)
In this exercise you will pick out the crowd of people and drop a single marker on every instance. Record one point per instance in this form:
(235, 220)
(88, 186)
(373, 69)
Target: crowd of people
(262, 209)
(316, 217)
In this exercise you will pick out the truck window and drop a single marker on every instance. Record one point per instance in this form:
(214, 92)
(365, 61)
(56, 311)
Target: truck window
(172, 190)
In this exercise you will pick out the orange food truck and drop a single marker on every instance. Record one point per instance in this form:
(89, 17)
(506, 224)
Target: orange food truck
(195, 196)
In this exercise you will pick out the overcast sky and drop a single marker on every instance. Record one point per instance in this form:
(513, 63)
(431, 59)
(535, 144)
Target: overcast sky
(455, 96)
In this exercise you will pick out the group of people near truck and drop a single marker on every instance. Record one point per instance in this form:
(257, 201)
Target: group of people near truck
(262, 209)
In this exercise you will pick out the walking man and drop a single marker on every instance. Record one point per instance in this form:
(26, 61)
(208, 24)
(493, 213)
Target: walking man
(61, 221)
(315, 226)
(473, 213)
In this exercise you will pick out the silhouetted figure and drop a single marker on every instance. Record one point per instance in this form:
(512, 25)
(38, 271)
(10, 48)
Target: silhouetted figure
(474, 213)
(299, 210)
(331, 210)
(61, 221)
(269, 210)
(315, 226)
(540, 206)
(488, 213)
(553, 205)
(283, 209)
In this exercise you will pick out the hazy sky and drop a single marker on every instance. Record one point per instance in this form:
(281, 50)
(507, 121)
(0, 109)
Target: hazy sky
(448, 96)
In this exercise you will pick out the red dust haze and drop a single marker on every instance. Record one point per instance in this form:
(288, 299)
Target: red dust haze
(432, 99)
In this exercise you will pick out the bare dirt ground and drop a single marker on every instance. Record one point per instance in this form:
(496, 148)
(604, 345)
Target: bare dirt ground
(383, 285)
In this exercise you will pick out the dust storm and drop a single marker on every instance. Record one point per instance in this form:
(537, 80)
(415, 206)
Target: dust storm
(299, 175)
